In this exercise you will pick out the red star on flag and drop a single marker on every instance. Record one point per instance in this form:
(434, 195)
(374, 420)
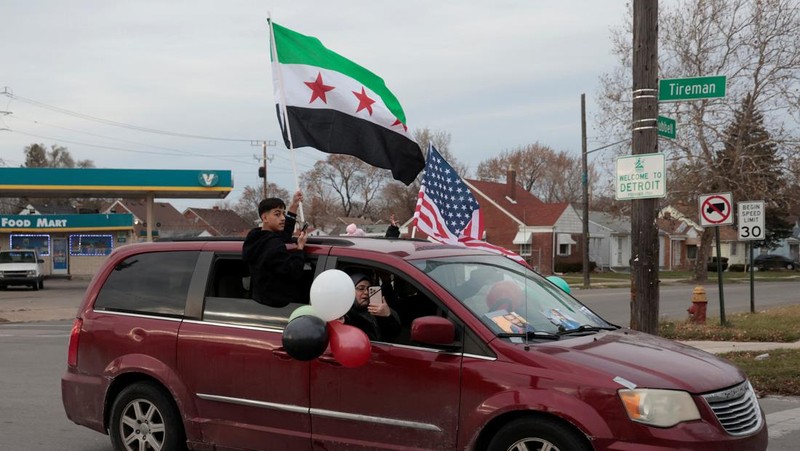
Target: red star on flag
(397, 122)
(364, 102)
(318, 89)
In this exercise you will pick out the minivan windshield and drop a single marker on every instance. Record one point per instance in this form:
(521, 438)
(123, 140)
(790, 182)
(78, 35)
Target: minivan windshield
(510, 299)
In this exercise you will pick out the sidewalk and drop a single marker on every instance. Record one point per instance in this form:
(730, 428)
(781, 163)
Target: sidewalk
(721, 347)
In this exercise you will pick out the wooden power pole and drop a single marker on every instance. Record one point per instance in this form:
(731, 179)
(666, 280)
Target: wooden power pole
(644, 230)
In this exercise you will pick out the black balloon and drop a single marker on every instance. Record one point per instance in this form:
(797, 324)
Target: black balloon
(305, 337)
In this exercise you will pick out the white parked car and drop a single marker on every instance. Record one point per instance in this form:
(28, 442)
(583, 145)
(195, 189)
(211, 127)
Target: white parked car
(21, 267)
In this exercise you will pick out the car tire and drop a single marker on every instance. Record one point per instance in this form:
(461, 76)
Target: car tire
(789, 266)
(144, 415)
(35, 286)
(538, 433)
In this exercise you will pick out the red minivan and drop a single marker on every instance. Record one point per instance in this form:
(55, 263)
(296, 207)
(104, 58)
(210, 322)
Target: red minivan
(168, 351)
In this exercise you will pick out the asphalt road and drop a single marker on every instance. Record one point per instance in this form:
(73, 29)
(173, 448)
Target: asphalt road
(33, 359)
(613, 304)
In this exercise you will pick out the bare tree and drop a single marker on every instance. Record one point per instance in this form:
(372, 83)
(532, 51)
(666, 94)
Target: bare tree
(37, 156)
(247, 205)
(756, 44)
(352, 182)
(551, 176)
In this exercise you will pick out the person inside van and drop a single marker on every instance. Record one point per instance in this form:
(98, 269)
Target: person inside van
(275, 272)
(379, 321)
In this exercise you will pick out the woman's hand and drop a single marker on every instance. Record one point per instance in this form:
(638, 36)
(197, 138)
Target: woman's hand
(381, 309)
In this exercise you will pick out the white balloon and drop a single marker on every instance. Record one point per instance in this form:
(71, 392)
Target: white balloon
(332, 294)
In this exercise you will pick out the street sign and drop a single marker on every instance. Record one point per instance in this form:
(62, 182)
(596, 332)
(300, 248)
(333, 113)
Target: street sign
(675, 89)
(666, 127)
(715, 209)
(751, 220)
(640, 177)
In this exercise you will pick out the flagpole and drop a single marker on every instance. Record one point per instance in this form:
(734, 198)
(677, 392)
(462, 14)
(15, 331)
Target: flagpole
(282, 108)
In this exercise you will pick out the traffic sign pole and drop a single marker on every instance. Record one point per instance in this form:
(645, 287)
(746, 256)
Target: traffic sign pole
(719, 282)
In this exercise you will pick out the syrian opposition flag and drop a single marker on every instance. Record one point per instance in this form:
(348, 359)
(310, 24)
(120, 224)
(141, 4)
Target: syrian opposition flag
(330, 103)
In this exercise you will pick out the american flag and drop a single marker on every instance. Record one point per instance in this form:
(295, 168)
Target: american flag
(448, 212)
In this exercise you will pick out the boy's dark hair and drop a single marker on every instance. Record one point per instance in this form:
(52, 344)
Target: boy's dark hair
(270, 203)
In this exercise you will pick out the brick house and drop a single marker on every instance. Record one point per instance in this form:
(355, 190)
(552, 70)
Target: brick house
(545, 234)
(169, 222)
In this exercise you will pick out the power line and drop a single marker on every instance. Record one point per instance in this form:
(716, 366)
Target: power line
(10, 95)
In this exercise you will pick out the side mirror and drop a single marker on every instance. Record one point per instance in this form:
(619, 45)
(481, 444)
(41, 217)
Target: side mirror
(40, 260)
(433, 330)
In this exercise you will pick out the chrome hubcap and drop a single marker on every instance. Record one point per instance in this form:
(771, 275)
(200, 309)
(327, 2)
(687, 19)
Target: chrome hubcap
(533, 444)
(142, 427)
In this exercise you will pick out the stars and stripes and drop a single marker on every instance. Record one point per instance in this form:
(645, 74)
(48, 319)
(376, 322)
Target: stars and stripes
(448, 212)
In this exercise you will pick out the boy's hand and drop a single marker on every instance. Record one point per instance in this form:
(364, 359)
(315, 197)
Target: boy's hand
(296, 199)
(301, 240)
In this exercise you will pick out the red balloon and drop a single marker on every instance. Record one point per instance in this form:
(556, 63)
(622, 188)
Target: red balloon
(349, 344)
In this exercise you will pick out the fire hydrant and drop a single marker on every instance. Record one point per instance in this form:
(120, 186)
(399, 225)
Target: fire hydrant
(697, 312)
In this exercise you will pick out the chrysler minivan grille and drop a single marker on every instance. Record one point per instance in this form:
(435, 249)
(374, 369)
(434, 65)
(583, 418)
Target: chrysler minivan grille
(736, 408)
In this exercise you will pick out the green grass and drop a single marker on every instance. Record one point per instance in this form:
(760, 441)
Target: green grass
(773, 375)
(780, 324)
(615, 278)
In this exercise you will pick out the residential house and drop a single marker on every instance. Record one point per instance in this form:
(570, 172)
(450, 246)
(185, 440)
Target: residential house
(547, 235)
(609, 240)
(682, 238)
(168, 221)
(218, 221)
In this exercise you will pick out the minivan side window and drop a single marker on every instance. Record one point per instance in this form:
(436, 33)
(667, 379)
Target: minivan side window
(229, 296)
(155, 283)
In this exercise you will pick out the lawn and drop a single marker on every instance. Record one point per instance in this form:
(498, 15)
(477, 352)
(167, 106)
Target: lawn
(775, 374)
(598, 279)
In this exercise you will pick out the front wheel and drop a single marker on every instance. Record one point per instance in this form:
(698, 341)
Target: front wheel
(41, 284)
(538, 434)
(789, 266)
(144, 418)
(35, 285)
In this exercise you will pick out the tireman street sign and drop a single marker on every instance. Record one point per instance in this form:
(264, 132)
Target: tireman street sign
(715, 209)
(751, 220)
(640, 177)
(675, 89)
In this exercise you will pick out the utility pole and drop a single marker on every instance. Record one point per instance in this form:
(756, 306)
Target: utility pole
(262, 170)
(644, 261)
(585, 182)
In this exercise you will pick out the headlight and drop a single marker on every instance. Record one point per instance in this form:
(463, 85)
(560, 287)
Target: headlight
(32, 273)
(662, 408)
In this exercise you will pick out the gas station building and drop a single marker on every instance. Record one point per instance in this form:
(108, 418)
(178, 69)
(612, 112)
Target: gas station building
(76, 244)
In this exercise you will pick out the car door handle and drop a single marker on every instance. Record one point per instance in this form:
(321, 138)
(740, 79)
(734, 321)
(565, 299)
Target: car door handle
(329, 359)
(281, 354)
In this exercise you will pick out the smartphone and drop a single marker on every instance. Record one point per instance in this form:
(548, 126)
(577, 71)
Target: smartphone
(375, 297)
(305, 226)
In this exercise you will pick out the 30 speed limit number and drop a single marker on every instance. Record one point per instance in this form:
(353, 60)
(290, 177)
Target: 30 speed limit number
(751, 220)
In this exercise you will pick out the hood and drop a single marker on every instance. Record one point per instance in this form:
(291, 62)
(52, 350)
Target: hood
(646, 360)
(18, 266)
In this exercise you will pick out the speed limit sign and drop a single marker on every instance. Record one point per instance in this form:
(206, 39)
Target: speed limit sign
(751, 220)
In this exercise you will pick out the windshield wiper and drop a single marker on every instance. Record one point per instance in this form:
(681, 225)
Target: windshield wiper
(585, 328)
(531, 335)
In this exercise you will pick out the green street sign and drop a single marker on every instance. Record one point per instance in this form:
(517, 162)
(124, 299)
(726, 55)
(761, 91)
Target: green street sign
(667, 127)
(675, 89)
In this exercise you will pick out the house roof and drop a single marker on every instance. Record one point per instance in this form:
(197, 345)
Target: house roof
(165, 215)
(224, 222)
(616, 224)
(45, 208)
(523, 206)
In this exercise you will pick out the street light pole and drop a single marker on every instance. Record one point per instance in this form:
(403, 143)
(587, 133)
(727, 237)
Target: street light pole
(585, 182)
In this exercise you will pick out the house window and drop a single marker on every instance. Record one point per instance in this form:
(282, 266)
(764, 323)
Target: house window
(564, 249)
(691, 251)
(525, 249)
(734, 246)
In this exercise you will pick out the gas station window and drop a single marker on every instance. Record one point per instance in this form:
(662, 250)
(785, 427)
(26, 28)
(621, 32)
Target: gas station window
(39, 242)
(90, 245)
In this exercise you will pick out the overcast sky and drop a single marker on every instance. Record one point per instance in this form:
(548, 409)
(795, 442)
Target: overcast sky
(494, 74)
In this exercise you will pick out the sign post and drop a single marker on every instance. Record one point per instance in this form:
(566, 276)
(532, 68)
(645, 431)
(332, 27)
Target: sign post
(751, 227)
(716, 210)
(677, 89)
(641, 176)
